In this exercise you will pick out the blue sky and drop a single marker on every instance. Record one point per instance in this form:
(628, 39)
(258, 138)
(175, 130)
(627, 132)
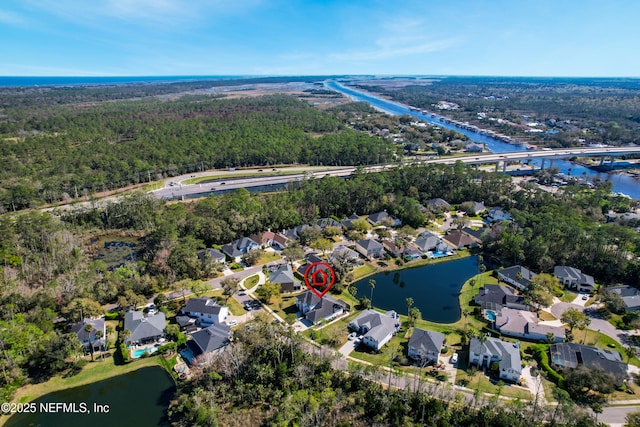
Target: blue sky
(319, 37)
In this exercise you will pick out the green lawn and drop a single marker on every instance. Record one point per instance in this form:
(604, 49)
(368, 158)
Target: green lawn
(268, 257)
(486, 386)
(601, 340)
(568, 296)
(235, 307)
(200, 179)
(545, 315)
(283, 304)
(251, 281)
(363, 271)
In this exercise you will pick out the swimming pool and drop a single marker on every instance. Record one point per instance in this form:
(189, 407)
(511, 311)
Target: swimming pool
(140, 352)
(491, 315)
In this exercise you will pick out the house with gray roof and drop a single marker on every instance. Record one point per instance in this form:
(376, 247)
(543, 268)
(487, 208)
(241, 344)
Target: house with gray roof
(212, 254)
(630, 296)
(494, 350)
(327, 222)
(370, 248)
(237, 248)
(495, 297)
(377, 328)
(316, 309)
(347, 223)
(437, 205)
(497, 214)
(144, 329)
(568, 355)
(573, 278)
(517, 276)
(208, 341)
(430, 242)
(89, 339)
(383, 218)
(343, 252)
(205, 310)
(525, 324)
(425, 346)
(284, 276)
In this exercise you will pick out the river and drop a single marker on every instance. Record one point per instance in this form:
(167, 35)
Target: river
(621, 182)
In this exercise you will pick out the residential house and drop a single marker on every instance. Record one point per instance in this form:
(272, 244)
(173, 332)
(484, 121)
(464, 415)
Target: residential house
(473, 148)
(144, 329)
(392, 248)
(412, 252)
(573, 278)
(212, 254)
(294, 233)
(315, 309)
(459, 240)
(89, 339)
(495, 297)
(477, 207)
(383, 218)
(284, 276)
(425, 346)
(209, 341)
(525, 324)
(377, 328)
(516, 276)
(437, 205)
(186, 323)
(370, 248)
(345, 253)
(279, 241)
(497, 214)
(237, 248)
(348, 222)
(630, 296)
(430, 242)
(205, 310)
(264, 240)
(568, 355)
(484, 352)
(327, 222)
(311, 259)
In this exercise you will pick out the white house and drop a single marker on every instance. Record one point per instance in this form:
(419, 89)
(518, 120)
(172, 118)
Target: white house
(494, 350)
(377, 328)
(206, 311)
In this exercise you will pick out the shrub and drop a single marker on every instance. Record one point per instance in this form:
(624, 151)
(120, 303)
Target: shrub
(540, 353)
(111, 315)
(236, 266)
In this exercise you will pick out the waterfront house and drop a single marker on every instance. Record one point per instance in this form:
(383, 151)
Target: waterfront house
(370, 248)
(377, 328)
(343, 252)
(425, 346)
(573, 278)
(430, 242)
(144, 329)
(517, 276)
(237, 248)
(89, 339)
(208, 341)
(525, 324)
(483, 352)
(495, 297)
(205, 310)
(316, 309)
(459, 240)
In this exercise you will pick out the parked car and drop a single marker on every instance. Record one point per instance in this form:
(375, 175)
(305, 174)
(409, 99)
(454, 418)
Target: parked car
(585, 297)
(454, 358)
(233, 322)
(351, 336)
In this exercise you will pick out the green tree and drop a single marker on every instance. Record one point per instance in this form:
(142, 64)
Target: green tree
(372, 286)
(409, 302)
(252, 257)
(573, 318)
(88, 328)
(230, 286)
(293, 252)
(268, 291)
(323, 245)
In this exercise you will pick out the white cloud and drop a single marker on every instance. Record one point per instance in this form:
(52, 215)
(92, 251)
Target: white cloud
(396, 47)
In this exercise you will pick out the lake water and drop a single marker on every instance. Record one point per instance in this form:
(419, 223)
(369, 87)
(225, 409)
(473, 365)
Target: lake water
(621, 183)
(136, 399)
(435, 289)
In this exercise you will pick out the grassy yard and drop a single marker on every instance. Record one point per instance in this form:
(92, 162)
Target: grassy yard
(545, 315)
(94, 371)
(363, 271)
(268, 257)
(251, 281)
(363, 352)
(283, 304)
(601, 340)
(486, 386)
(568, 296)
(234, 306)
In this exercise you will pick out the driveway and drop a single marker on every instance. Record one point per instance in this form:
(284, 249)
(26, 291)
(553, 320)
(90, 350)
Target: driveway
(348, 347)
(597, 324)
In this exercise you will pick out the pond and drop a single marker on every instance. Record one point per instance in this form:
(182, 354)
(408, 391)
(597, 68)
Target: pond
(435, 289)
(138, 398)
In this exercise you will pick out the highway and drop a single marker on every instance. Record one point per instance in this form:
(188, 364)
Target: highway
(180, 190)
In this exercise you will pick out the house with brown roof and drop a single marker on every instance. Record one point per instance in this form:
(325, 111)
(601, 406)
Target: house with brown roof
(460, 240)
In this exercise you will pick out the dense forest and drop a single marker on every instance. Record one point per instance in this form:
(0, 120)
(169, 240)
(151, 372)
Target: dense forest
(49, 269)
(51, 154)
(269, 377)
(573, 110)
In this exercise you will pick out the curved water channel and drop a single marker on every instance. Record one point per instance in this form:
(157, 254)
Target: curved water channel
(621, 182)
